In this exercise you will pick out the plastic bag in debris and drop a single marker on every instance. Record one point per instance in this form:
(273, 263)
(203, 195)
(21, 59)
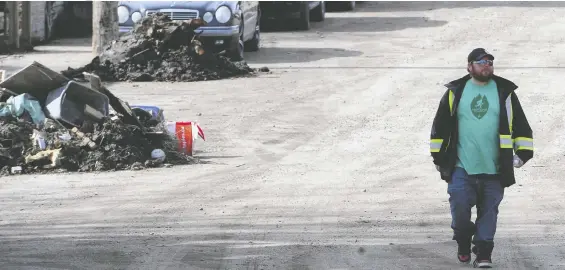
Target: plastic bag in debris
(17, 105)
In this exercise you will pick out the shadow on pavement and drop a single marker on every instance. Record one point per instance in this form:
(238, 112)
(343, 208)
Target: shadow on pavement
(66, 45)
(270, 55)
(359, 24)
(216, 157)
(229, 246)
(61, 50)
(286, 25)
(376, 24)
(150, 242)
(385, 6)
(81, 42)
(463, 68)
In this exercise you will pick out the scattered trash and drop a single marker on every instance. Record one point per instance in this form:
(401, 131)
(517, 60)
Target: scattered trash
(74, 103)
(121, 107)
(71, 126)
(158, 155)
(264, 69)
(39, 138)
(47, 159)
(65, 137)
(35, 79)
(153, 116)
(24, 106)
(159, 49)
(16, 170)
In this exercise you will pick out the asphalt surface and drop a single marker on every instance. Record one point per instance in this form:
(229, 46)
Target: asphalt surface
(321, 164)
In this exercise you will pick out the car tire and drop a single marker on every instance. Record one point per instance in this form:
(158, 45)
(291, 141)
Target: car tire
(304, 20)
(254, 44)
(319, 13)
(238, 48)
(348, 6)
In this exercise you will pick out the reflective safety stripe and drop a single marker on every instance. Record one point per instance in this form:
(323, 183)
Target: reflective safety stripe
(509, 112)
(523, 143)
(435, 145)
(506, 141)
(451, 98)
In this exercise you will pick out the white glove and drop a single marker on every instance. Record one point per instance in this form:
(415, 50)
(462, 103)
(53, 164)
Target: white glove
(518, 162)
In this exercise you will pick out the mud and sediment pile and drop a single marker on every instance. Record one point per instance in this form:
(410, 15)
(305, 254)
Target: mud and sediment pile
(159, 49)
(79, 127)
(111, 145)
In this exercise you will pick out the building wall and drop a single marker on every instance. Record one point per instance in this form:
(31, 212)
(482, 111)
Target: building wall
(37, 21)
(71, 18)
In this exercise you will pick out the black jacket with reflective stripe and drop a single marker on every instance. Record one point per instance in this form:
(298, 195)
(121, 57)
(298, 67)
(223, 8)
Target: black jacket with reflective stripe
(514, 130)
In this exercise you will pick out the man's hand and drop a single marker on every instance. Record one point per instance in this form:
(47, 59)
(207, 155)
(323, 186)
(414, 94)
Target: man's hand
(518, 162)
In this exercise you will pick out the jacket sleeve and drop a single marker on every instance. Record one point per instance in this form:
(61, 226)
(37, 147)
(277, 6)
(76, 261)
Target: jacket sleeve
(522, 134)
(440, 129)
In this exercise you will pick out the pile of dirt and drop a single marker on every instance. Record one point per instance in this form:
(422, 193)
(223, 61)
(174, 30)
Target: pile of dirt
(159, 49)
(14, 141)
(117, 146)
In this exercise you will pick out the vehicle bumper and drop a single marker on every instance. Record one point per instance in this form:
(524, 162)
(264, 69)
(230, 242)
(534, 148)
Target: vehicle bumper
(206, 31)
(218, 31)
(125, 29)
(217, 38)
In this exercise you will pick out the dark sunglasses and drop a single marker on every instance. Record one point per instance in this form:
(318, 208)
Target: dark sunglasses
(484, 62)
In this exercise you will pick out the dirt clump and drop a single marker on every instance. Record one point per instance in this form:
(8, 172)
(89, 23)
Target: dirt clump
(159, 49)
(14, 141)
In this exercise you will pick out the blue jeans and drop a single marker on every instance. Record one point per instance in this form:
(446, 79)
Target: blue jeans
(466, 191)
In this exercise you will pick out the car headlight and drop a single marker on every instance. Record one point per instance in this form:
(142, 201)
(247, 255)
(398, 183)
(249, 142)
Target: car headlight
(223, 14)
(123, 14)
(208, 16)
(136, 17)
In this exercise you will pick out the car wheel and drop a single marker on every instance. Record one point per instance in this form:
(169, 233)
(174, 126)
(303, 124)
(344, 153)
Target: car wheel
(304, 20)
(239, 47)
(253, 44)
(319, 13)
(349, 5)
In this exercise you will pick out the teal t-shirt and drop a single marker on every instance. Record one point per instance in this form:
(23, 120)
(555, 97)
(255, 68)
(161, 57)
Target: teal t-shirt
(478, 115)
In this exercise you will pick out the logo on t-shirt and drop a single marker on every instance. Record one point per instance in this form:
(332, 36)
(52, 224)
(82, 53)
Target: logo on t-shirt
(479, 106)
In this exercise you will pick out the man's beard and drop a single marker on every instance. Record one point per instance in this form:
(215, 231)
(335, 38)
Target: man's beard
(480, 77)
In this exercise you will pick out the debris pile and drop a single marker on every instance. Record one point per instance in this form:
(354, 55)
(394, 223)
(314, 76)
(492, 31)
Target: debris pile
(159, 49)
(111, 146)
(62, 132)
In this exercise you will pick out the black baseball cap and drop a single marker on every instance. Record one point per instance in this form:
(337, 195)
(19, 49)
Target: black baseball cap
(477, 54)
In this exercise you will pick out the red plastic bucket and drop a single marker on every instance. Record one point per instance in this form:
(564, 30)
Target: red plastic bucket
(185, 133)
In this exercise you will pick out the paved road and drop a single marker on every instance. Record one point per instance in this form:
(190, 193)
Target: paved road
(322, 164)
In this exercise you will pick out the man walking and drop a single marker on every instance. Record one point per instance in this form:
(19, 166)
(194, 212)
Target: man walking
(479, 134)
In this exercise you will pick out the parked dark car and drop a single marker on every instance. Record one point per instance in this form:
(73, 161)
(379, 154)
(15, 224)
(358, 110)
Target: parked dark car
(341, 5)
(231, 25)
(301, 12)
